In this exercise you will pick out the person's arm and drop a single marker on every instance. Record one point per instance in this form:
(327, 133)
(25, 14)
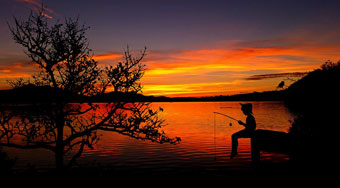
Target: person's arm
(247, 123)
(241, 123)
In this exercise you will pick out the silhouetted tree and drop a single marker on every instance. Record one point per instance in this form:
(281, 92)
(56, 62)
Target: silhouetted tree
(66, 64)
(314, 100)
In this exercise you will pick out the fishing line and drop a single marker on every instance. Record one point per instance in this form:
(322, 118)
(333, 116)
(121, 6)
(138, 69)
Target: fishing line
(215, 134)
(215, 127)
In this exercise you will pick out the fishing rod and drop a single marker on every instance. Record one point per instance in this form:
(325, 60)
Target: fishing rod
(226, 116)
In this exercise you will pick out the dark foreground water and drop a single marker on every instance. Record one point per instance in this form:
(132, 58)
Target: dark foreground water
(204, 150)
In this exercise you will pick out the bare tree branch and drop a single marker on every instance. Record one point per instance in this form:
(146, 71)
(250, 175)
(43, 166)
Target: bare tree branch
(62, 52)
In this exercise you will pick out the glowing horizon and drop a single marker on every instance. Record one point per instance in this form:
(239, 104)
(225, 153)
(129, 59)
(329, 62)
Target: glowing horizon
(207, 72)
(194, 49)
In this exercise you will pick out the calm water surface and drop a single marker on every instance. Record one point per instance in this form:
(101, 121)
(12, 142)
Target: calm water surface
(205, 145)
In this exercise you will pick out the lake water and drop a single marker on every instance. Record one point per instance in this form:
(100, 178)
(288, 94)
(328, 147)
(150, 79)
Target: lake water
(205, 147)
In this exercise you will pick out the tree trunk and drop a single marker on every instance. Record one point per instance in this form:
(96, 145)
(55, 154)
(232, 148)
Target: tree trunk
(59, 153)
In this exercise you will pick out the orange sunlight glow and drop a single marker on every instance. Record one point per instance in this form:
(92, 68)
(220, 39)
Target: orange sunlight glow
(107, 56)
(223, 71)
(193, 88)
(207, 72)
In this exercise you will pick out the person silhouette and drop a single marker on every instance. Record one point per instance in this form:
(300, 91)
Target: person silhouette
(249, 130)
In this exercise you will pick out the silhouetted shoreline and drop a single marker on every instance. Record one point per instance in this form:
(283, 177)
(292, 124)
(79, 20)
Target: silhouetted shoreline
(33, 94)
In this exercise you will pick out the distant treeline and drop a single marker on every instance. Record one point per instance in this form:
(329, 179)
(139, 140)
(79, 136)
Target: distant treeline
(35, 94)
(316, 89)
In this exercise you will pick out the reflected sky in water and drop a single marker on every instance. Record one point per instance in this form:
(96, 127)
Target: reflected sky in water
(204, 145)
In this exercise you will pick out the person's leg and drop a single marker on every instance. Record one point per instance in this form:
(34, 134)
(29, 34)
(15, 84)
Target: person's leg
(234, 141)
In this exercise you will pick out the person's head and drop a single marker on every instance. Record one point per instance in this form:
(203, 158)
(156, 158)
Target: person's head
(247, 108)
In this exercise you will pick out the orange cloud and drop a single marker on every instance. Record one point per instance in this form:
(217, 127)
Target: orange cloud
(36, 6)
(108, 56)
(17, 70)
(238, 67)
(197, 88)
(194, 72)
(18, 66)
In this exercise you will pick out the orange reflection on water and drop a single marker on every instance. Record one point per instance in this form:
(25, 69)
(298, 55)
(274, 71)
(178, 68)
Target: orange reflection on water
(206, 139)
(194, 123)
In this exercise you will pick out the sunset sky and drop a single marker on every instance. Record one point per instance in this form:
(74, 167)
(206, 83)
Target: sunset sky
(195, 48)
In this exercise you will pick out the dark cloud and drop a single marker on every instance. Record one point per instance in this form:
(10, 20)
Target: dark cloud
(277, 75)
